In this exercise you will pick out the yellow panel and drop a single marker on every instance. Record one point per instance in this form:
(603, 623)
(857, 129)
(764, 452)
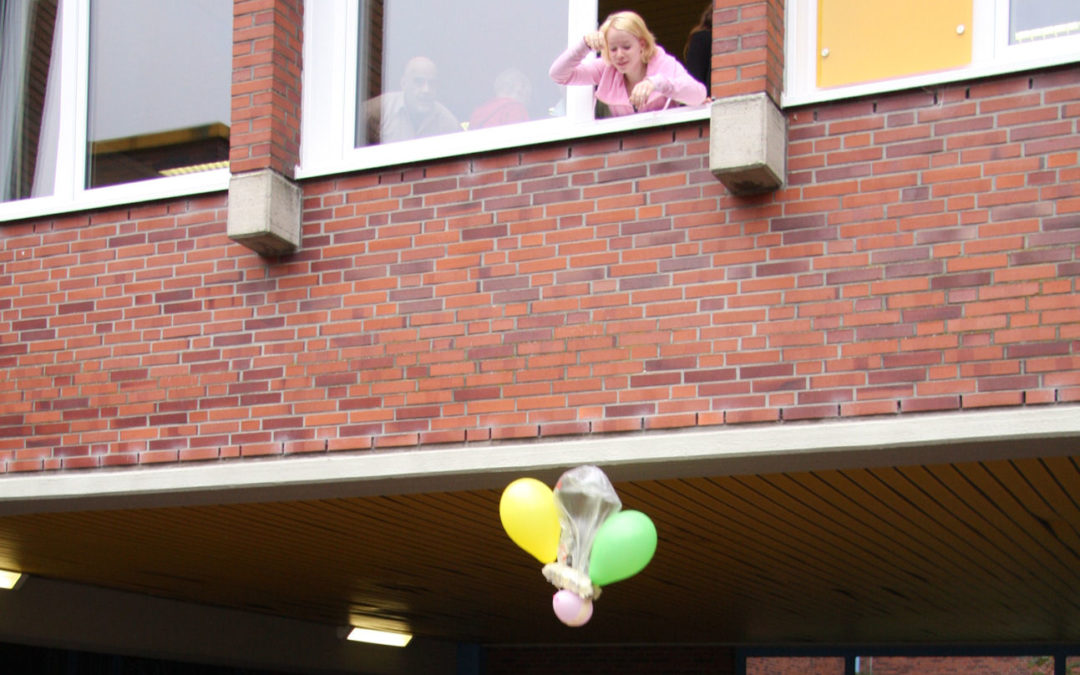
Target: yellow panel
(868, 40)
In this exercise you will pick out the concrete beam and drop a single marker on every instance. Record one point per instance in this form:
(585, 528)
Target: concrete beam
(900, 440)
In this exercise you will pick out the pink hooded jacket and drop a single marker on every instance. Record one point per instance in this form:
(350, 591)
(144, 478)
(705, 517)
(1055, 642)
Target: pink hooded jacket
(670, 80)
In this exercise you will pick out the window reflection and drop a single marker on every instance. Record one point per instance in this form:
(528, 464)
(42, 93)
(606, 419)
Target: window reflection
(159, 94)
(437, 68)
(1031, 20)
(28, 98)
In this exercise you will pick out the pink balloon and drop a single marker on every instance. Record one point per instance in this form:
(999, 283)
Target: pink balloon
(571, 608)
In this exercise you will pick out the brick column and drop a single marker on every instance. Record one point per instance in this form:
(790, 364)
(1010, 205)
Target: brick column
(748, 134)
(748, 48)
(264, 203)
(267, 49)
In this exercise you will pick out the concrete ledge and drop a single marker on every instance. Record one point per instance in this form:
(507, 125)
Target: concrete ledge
(264, 212)
(899, 440)
(748, 144)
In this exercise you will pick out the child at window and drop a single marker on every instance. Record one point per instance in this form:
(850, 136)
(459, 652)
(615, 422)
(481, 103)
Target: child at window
(512, 93)
(634, 75)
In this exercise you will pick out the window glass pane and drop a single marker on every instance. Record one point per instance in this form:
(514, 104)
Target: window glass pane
(1031, 20)
(28, 97)
(436, 68)
(159, 96)
(795, 665)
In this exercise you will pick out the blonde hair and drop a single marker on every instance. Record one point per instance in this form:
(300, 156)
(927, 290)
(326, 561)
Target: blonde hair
(632, 23)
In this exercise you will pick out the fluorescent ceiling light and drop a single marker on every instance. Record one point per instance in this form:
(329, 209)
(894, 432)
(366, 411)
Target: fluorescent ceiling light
(379, 637)
(9, 580)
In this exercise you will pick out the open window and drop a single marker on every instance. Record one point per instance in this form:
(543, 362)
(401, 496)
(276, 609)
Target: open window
(841, 48)
(390, 81)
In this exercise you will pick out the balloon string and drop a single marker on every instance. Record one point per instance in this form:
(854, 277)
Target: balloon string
(567, 578)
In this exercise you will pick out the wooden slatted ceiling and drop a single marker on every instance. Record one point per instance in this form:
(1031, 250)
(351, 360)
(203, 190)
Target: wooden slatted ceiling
(972, 552)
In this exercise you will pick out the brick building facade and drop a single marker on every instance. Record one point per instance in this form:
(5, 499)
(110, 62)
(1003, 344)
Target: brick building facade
(921, 257)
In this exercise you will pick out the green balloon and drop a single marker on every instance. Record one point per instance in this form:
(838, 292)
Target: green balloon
(624, 545)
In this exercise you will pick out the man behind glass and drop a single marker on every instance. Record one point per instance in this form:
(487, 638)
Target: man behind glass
(412, 112)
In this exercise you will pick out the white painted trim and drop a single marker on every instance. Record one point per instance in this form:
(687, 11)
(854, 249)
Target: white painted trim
(75, 126)
(324, 91)
(69, 171)
(172, 187)
(498, 138)
(581, 19)
(879, 441)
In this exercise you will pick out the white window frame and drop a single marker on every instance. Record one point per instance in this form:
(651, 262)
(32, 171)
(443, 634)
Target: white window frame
(991, 54)
(327, 144)
(69, 191)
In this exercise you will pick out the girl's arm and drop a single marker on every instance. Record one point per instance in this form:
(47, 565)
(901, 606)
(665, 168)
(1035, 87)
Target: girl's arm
(572, 67)
(672, 81)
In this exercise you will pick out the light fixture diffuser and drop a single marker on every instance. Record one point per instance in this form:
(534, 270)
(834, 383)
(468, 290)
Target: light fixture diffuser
(379, 637)
(9, 579)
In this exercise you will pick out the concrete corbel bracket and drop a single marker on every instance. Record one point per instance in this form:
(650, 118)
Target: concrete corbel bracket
(264, 212)
(748, 144)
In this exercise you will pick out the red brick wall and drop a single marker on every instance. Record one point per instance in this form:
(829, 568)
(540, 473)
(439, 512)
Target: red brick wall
(900, 665)
(955, 665)
(267, 63)
(795, 665)
(748, 48)
(923, 257)
(692, 660)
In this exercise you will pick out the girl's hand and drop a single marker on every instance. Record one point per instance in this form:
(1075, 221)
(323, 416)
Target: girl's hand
(640, 94)
(595, 40)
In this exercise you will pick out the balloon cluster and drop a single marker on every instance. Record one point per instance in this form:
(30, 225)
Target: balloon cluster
(581, 534)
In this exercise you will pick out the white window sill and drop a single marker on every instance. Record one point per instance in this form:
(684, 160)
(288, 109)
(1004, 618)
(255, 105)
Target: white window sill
(465, 143)
(506, 137)
(117, 195)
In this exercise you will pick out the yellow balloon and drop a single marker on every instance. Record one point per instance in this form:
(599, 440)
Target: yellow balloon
(528, 513)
